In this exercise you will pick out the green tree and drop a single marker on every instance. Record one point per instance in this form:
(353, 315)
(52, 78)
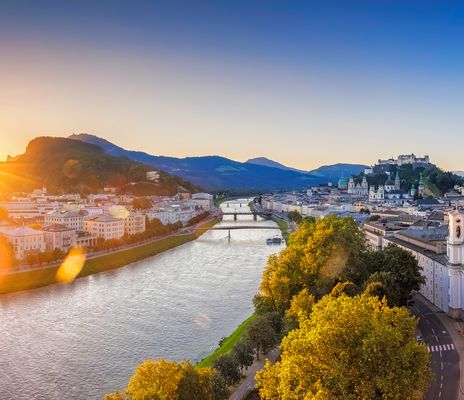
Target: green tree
(398, 272)
(295, 216)
(350, 348)
(229, 368)
(261, 334)
(243, 352)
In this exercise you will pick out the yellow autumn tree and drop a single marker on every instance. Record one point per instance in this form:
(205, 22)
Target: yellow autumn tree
(166, 380)
(315, 256)
(349, 348)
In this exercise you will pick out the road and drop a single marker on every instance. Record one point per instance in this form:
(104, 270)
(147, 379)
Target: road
(444, 357)
(248, 384)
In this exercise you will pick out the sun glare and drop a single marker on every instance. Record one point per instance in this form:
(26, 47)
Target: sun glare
(72, 265)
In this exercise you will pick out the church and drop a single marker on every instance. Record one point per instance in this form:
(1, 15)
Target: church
(390, 191)
(359, 189)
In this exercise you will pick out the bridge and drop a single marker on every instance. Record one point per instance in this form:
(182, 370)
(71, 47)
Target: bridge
(254, 213)
(228, 228)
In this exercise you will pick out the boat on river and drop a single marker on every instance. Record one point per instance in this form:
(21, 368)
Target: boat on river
(274, 240)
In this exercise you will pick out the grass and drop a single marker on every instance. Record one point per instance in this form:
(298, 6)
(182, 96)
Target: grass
(42, 277)
(227, 345)
(283, 225)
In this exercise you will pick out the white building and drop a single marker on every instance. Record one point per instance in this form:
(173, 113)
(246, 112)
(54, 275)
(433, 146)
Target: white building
(204, 200)
(442, 260)
(358, 189)
(71, 219)
(24, 240)
(134, 223)
(106, 227)
(59, 237)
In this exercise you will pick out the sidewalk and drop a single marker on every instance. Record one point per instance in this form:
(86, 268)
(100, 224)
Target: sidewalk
(454, 328)
(248, 383)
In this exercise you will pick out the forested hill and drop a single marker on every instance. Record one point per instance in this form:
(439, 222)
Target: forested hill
(66, 166)
(437, 182)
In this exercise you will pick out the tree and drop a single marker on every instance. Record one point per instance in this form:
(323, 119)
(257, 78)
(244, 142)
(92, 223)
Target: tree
(142, 203)
(295, 216)
(261, 334)
(350, 348)
(315, 257)
(301, 306)
(243, 352)
(229, 368)
(160, 380)
(400, 274)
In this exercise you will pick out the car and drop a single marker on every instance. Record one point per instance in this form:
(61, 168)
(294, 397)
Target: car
(420, 339)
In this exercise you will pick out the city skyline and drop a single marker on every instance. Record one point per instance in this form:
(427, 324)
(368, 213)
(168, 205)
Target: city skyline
(305, 85)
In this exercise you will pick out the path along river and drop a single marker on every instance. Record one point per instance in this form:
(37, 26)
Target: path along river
(82, 340)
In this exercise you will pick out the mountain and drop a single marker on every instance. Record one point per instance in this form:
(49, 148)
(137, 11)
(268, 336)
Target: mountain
(459, 173)
(273, 164)
(64, 165)
(212, 172)
(335, 171)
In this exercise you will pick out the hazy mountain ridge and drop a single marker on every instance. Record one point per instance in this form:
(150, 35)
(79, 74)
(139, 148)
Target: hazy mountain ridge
(267, 162)
(213, 172)
(64, 166)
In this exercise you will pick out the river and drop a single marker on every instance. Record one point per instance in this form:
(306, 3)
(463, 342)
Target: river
(82, 340)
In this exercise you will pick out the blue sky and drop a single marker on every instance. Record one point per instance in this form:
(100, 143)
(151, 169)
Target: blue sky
(305, 83)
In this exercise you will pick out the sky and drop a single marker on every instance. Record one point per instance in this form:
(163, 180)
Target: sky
(306, 83)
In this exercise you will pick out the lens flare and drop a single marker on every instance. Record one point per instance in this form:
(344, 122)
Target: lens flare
(72, 265)
(7, 258)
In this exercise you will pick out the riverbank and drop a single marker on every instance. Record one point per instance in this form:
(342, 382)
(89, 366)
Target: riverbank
(227, 344)
(33, 279)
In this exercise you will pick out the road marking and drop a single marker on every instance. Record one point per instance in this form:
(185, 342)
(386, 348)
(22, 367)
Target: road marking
(440, 348)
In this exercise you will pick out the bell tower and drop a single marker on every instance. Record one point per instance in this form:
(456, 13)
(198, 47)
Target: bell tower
(456, 237)
(455, 253)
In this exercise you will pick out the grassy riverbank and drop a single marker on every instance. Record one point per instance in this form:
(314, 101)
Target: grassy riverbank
(283, 225)
(47, 276)
(227, 345)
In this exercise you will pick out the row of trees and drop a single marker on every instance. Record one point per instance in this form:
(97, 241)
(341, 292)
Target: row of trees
(348, 335)
(261, 335)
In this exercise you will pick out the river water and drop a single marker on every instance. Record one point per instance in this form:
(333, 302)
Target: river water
(82, 340)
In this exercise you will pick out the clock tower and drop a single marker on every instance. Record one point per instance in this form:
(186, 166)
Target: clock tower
(455, 253)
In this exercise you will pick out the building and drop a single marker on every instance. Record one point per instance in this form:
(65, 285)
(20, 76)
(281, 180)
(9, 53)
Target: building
(342, 183)
(105, 227)
(405, 159)
(59, 237)
(24, 240)
(358, 189)
(204, 200)
(134, 223)
(153, 176)
(71, 219)
(439, 250)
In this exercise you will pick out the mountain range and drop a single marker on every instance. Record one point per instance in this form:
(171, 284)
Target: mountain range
(220, 173)
(65, 166)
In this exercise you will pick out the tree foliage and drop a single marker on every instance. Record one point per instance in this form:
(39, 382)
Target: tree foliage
(349, 348)
(316, 255)
(163, 380)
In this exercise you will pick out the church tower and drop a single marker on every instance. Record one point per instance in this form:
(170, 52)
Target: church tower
(421, 186)
(455, 253)
(397, 181)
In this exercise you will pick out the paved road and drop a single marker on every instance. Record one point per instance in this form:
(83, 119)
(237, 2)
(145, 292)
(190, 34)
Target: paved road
(248, 384)
(445, 359)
